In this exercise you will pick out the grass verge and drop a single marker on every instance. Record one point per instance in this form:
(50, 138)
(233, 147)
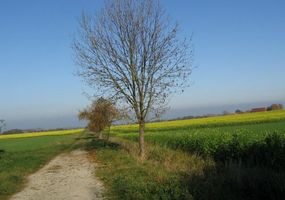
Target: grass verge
(174, 174)
(160, 176)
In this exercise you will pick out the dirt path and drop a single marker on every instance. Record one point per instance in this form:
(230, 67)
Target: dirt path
(69, 176)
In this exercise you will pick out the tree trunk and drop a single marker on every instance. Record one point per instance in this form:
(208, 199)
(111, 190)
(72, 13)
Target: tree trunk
(141, 139)
(108, 136)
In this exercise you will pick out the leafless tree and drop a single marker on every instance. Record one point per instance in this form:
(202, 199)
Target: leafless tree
(131, 51)
(2, 125)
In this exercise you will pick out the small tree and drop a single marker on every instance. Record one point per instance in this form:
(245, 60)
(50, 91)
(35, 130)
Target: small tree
(238, 111)
(100, 115)
(131, 51)
(2, 125)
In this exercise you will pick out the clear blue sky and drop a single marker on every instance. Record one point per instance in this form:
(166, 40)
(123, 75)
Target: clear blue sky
(239, 54)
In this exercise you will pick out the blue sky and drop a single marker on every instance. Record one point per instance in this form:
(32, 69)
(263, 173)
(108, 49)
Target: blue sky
(239, 54)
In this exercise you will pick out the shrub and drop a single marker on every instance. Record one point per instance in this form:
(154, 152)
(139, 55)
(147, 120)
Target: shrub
(1, 153)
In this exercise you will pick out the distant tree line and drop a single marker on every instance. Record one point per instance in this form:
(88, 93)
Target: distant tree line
(237, 111)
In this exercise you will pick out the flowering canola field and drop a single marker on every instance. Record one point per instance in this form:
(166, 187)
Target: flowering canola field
(38, 134)
(234, 119)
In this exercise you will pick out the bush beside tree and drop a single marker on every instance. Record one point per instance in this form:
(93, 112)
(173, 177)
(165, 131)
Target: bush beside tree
(100, 116)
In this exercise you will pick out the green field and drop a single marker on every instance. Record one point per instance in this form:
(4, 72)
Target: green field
(208, 135)
(208, 140)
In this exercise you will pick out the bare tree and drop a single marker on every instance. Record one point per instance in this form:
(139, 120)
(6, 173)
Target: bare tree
(131, 51)
(2, 125)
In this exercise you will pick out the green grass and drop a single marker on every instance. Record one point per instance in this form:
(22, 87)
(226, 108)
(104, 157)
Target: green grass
(24, 156)
(160, 176)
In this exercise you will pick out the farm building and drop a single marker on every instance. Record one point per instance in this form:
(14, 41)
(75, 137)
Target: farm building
(263, 109)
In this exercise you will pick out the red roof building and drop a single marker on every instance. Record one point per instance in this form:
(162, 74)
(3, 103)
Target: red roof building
(258, 109)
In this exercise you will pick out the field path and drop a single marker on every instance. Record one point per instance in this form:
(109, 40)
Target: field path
(69, 176)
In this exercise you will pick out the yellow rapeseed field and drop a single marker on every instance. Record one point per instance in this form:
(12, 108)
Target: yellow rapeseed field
(38, 134)
(217, 120)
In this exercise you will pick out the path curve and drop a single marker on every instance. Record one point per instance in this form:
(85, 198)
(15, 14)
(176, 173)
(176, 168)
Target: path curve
(69, 176)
